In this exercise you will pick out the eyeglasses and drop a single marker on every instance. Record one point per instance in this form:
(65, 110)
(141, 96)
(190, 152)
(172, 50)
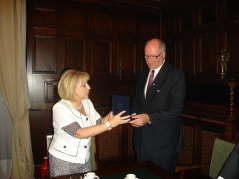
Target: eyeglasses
(152, 57)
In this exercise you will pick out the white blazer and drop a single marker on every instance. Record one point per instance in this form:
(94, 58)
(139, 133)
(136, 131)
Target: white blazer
(65, 146)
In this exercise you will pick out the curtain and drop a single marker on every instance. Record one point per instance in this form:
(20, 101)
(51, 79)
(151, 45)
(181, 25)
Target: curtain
(5, 140)
(13, 84)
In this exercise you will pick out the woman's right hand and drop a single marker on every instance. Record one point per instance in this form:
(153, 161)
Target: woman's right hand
(117, 119)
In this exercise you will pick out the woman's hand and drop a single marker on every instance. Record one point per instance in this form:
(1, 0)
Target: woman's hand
(117, 119)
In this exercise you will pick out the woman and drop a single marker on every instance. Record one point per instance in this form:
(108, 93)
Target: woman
(75, 121)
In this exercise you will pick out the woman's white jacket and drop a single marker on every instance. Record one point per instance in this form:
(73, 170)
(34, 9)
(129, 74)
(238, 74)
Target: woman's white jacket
(65, 146)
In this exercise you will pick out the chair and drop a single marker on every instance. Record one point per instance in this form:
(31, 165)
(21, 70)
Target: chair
(48, 141)
(220, 153)
(92, 154)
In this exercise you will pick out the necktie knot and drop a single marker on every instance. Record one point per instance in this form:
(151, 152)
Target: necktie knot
(151, 79)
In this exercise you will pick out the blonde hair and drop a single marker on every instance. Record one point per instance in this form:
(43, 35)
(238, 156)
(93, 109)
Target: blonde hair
(68, 83)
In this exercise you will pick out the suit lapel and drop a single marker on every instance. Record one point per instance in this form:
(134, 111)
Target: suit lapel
(158, 82)
(142, 82)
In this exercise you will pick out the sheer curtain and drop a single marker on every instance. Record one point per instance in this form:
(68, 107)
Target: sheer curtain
(5, 140)
(14, 88)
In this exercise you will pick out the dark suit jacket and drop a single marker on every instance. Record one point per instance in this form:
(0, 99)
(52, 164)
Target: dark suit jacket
(164, 104)
(230, 170)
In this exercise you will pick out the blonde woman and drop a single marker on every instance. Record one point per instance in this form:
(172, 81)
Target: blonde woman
(75, 121)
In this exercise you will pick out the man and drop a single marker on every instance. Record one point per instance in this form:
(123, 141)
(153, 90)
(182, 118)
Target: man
(156, 111)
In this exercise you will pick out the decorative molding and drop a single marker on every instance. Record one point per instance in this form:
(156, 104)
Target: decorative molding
(50, 91)
(154, 4)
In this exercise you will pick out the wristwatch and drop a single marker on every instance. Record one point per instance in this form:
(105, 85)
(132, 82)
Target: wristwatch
(108, 126)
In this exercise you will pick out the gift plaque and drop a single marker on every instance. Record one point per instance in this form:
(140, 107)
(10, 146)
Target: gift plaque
(120, 103)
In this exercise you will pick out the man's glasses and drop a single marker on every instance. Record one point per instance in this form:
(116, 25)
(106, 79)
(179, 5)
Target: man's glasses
(152, 57)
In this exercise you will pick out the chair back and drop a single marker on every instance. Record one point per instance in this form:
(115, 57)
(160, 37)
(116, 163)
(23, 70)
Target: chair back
(92, 154)
(48, 141)
(220, 153)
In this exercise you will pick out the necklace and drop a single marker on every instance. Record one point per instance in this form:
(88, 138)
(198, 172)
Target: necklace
(78, 107)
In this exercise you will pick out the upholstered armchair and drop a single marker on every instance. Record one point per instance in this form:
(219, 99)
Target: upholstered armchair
(221, 151)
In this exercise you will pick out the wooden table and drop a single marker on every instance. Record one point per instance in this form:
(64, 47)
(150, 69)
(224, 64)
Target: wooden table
(145, 170)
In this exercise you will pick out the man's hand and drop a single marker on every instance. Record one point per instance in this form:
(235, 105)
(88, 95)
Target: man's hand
(139, 120)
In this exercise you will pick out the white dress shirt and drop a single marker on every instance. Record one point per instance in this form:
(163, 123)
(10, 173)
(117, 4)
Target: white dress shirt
(155, 74)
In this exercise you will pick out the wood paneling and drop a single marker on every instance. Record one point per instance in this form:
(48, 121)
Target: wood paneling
(208, 14)
(44, 18)
(208, 46)
(149, 29)
(75, 53)
(45, 55)
(126, 58)
(232, 7)
(232, 39)
(101, 41)
(127, 25)
(101, 57)
(204, 29)
(41, 126)
(187, 55)
(102, 23)
(48, 92)
(186, 22)
(75, 21)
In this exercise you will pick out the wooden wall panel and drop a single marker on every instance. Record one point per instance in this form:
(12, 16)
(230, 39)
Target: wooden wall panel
(230, 45)
(169, 38)
(232, 7)
(101, 56)
(127, 25)
(43, 92)
(101, 23)
(126, 58)
(186, 22)
(48, 92)
(149, 29)
(45, 54)
(169, 30)
(170, 53)
(208, 14)
(195, 27)
(187, 56)
(45, 17)
(41, 126)
(75, 21)
(209, 49)
(75, 53)
(140, 62)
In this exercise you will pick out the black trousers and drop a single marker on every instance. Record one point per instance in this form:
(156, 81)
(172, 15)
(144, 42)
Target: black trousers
(167, 162)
